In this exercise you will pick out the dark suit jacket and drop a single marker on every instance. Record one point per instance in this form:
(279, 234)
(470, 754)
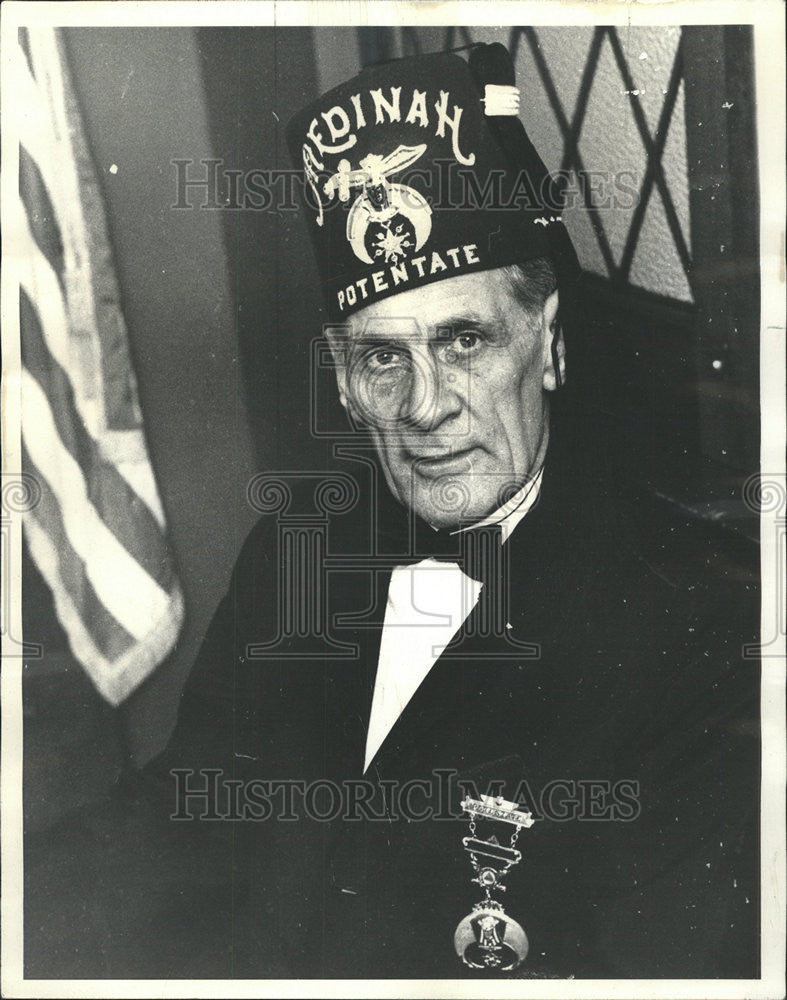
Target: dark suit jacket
(614, 700)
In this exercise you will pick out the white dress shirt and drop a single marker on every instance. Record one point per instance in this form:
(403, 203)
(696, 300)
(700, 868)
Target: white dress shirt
(428, 603)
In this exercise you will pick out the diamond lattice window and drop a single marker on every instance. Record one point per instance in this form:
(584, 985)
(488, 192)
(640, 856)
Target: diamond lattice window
(607, 106)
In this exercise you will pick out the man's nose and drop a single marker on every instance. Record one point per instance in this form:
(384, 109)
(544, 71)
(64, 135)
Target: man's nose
(433, 397)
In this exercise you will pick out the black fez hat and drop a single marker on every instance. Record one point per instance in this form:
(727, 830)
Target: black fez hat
(420, 169)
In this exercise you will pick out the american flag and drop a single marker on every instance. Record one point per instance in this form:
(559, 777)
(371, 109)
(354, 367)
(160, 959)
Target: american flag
(98, 533)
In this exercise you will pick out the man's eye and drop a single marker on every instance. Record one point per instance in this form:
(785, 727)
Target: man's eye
(467, 341)
(382, 359)
(462, 346)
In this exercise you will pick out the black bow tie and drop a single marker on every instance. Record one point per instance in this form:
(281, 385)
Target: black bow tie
(478, 551)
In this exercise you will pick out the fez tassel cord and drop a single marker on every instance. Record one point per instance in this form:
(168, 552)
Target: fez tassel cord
(500, 100)
(487, 938)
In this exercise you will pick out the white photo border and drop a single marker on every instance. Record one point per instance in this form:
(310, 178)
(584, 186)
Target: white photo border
(767, 18)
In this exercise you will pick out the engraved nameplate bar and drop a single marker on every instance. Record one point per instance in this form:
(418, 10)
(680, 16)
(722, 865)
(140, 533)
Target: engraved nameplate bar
(498, 808)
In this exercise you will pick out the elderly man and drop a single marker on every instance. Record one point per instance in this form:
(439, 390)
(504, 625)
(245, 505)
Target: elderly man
(520, 745)
(480, 717)
(453, 379)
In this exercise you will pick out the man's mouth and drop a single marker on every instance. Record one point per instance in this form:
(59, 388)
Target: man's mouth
(440, 463)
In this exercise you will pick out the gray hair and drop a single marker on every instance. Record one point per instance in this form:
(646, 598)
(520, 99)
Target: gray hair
(532, 282)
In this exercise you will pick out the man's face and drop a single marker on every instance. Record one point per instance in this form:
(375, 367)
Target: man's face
(451, 378)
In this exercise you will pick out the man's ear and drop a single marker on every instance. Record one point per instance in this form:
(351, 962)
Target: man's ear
(555, 345)
(337, 341)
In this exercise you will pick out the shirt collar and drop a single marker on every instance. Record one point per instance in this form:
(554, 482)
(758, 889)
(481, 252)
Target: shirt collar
(511, 513)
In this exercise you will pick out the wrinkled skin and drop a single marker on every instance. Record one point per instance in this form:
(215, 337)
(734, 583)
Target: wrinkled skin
(453, 381)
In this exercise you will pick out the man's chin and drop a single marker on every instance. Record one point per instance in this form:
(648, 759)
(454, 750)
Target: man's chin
(448, 503)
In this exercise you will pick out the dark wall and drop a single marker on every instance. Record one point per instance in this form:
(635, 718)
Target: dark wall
(725, 212)
(256, 79)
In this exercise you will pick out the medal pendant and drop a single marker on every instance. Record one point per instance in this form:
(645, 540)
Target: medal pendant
(488, 938)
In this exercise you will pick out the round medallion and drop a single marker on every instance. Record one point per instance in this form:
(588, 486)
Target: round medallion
(489, 939)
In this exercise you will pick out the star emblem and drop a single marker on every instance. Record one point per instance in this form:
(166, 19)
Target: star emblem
(392, 240)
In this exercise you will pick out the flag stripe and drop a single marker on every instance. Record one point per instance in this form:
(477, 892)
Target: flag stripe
(117, 504)
(43, 140)
(24, 45)
(39, 281)
(93, 296)
(40, 213)
(116, 680)
(125, 589)
(41, 284)
(45, 556)
(98, 532)
(104, 315)
(52, 133)
(109, 636)
(46, 134)
(129, 455)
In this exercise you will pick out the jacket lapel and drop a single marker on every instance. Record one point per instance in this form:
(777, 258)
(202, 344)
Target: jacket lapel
(484, 679)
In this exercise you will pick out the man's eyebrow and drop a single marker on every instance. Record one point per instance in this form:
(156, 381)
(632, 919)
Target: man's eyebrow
(468, 316)
(382, 340)
(466, 320)
(461, 321)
